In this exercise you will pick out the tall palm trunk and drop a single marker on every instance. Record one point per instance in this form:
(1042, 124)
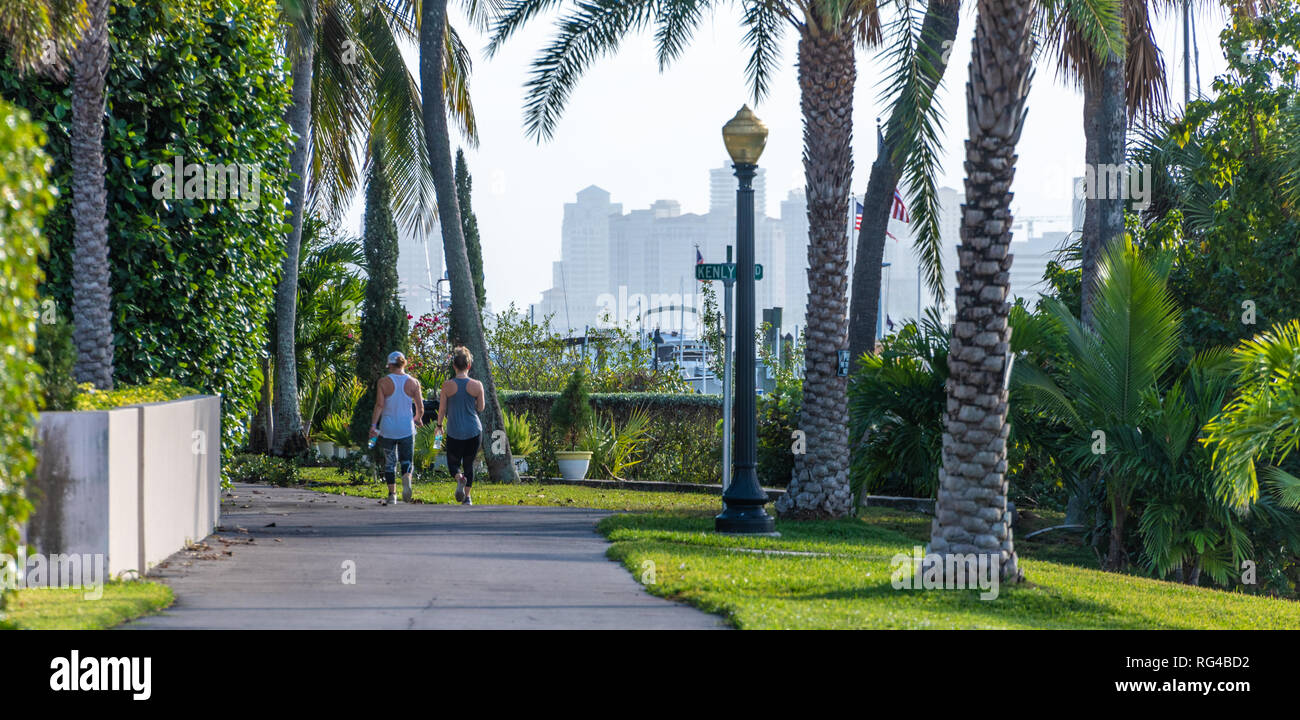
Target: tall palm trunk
(938, 32)
(971, 516)
(92, 279)
(464, 304)
(820, 483)
(287, 419)
(1104, 125)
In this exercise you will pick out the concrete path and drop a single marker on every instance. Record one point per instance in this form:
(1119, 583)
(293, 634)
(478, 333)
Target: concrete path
(282, 556)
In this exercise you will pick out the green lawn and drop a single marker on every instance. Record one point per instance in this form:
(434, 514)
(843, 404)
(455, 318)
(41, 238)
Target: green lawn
(847, 583)
(68, 609)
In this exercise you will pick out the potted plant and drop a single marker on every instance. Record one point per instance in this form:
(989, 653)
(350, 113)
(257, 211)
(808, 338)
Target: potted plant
(520, 436)
(570, 414)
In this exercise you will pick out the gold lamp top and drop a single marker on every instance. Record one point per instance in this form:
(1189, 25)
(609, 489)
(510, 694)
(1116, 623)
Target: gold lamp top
(745, 136)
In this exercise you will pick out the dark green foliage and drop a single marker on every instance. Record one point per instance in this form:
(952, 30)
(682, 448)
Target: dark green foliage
(263, 469)
(571, 411)
(56, 354)
(469, 225)
(384, 325)
(1225, 187)
(192, 279)
(896, 405)
(23, 168)
(778, 418)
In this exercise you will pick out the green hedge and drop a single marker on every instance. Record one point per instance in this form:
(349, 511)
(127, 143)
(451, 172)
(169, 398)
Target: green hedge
(157, 390)
(684, 445)
(193, 279)
(24, 200)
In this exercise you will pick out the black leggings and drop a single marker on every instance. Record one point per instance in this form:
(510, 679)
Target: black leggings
(462, 451)
(396, 449)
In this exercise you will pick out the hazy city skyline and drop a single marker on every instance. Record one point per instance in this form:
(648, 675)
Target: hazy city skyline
(626, 131)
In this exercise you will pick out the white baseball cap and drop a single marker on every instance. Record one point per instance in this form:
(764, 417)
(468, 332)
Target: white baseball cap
(396, 357)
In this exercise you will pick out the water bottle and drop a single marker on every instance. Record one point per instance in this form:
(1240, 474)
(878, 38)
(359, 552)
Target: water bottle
(373, 440)
(437, 441)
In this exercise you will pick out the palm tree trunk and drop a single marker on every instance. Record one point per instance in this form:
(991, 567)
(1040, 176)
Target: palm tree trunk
(1116, 557)
(820, 483)
(259, 440)
(464, 304)
(971, 515)
(92, 290)
(1104, 126)
(938, 32)
(288, 438)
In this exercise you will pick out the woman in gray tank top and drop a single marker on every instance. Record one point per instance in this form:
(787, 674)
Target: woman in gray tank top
(460, 400)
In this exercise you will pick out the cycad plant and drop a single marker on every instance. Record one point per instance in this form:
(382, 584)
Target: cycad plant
(896, 405)
(1262, 423)
(1104, 395)
(615, 449)
(519, 433)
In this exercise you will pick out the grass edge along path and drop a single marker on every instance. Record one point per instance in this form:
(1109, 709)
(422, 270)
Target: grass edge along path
(837, 575)
(69, 609)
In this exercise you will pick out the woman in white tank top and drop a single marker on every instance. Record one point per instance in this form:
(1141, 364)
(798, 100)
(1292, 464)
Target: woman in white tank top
(399, 409)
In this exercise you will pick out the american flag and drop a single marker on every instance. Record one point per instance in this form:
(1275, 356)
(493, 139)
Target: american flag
(699, 259)
(900, 210)
(857, 215)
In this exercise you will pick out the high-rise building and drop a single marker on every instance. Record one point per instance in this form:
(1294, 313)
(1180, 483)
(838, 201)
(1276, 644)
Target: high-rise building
(419, 265)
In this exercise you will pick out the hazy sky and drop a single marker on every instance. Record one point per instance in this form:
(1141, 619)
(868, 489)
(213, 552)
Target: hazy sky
(645, 135)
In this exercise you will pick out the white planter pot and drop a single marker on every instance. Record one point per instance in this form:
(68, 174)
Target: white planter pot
(341, 453)
(521, 465)
(573, 463)
(326, 449)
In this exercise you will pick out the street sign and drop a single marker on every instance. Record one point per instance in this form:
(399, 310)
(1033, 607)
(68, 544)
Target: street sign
(723, 271)
(843, 357)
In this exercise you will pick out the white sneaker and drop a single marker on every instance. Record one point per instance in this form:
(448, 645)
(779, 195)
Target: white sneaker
(407, 492)
(392, 499)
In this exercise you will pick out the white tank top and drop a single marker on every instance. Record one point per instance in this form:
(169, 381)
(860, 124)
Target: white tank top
(397, 420)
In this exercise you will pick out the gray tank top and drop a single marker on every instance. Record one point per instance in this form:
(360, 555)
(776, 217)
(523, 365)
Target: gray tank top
(462, 413)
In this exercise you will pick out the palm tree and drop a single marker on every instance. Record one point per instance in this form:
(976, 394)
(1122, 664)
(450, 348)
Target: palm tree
(350, 82)
(92, 282)
(829, 31)
(1105, 395)
(971, 516)
(464, 305)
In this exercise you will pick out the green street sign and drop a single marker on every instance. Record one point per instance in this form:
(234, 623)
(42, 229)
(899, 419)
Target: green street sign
(723, 271)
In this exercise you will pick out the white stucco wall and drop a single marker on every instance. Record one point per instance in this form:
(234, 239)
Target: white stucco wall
(133, 483)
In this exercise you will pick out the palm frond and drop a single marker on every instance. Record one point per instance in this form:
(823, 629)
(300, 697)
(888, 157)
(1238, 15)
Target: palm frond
(915, 125)
(764, 27)
(593, 29)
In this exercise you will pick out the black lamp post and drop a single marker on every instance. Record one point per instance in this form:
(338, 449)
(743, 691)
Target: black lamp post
(745, 135)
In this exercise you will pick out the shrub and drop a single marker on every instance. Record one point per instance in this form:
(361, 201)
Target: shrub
(571, 411)
(615, 449)
(23, 167)
(250, 468)
(518, 433)
(896, 406)
(192, 279)
(156, 390)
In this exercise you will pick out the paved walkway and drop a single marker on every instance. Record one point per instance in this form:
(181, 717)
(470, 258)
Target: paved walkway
(279, 562)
